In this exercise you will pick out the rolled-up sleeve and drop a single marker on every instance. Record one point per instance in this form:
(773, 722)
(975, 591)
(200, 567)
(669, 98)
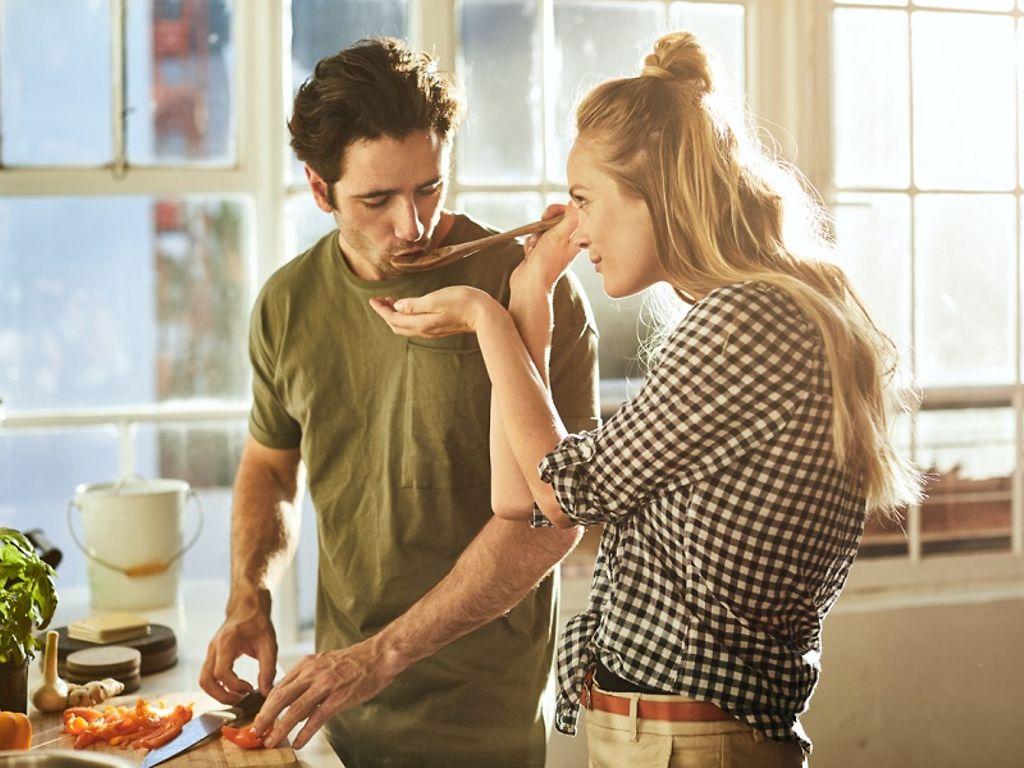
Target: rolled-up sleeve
(728, 380)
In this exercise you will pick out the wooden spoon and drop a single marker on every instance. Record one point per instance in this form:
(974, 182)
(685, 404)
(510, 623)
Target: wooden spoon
(441, 256)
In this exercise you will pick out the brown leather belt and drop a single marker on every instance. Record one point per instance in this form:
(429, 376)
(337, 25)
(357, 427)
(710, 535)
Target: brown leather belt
(702, 711)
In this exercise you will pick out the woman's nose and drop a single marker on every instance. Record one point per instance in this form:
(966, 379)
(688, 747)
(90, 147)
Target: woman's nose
(580, 239)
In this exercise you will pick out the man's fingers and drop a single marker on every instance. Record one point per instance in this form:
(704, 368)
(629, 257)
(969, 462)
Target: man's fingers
(225, 674)
(210, 682)
(281, 697)
(267, 658)
(301, 708)
(315, 722)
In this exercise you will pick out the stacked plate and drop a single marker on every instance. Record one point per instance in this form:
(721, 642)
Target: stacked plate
(116, 661)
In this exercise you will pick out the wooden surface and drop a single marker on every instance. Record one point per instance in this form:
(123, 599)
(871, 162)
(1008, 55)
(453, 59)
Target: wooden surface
(218, 753)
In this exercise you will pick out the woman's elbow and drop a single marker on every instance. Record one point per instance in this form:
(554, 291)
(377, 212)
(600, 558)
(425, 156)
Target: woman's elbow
(515, 512)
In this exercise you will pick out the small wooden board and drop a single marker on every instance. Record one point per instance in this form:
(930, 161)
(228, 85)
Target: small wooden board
(218, 753)
(159, 648)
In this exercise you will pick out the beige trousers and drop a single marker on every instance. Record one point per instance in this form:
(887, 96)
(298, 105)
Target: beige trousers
(619, 741)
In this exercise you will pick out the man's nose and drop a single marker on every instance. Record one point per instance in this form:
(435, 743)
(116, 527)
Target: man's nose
(408, 227)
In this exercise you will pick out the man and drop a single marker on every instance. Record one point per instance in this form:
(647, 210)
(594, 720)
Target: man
(395, 436)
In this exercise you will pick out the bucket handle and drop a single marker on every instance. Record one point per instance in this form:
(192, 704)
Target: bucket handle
(150, 569)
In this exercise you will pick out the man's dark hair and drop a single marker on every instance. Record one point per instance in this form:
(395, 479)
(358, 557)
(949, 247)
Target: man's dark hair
(376, 87)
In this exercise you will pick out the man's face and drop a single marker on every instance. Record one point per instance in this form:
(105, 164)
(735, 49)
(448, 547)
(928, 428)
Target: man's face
(388, 201)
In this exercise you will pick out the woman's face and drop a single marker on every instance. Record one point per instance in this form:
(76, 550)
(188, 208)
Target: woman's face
(615, 228)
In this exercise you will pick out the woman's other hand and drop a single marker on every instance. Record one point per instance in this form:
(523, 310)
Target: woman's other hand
(445, 312)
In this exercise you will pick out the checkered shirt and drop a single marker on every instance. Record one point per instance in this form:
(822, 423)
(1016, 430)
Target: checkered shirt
(729, 530)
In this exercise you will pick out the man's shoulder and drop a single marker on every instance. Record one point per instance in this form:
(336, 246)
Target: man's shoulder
(298, 273)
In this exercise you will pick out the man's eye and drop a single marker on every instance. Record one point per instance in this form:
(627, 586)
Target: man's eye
(375, 203)
(427, 191)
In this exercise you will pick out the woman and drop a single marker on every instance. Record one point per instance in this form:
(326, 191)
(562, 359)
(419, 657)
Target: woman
(734, 486)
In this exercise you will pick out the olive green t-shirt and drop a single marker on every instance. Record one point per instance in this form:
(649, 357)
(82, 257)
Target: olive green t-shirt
(394, 435)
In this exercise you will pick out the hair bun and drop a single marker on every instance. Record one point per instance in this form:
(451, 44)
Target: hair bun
(680, 56)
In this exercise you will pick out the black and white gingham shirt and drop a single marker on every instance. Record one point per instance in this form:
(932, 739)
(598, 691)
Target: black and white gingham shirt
(730, 531)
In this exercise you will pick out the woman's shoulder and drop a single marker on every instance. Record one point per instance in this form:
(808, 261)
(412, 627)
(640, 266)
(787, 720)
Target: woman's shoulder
(751, 319)
(752, 306)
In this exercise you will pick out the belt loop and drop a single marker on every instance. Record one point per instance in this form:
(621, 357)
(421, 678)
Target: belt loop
(586, 699)
(634, 705)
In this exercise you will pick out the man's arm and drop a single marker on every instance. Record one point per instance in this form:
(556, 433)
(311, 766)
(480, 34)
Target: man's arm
(264, 533)
(500, 566)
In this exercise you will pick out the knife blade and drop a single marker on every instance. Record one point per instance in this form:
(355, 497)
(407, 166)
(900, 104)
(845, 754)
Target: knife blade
(200, 729)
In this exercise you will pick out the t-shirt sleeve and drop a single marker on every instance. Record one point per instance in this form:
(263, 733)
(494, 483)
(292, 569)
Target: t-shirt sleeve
(728, 380)
(574, 372)
(269, 421)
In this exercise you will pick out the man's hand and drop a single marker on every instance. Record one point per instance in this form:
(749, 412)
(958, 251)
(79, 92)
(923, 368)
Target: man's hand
(247, 631)
(318, 687)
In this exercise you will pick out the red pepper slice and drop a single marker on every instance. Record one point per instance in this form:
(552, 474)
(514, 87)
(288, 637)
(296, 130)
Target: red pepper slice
(246, 738)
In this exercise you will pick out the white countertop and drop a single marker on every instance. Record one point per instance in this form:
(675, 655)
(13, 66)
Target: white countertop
(195, 618)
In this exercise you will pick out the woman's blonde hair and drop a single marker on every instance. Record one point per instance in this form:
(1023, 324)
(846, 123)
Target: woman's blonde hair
(724, 212)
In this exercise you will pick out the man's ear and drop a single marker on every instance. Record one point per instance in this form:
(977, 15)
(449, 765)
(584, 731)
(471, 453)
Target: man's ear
(319, 188)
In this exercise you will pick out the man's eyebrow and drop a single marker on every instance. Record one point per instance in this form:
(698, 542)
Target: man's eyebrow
(384, 192)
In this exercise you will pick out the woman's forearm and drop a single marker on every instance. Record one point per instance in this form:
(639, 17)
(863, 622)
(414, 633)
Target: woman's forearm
(533, 315)
(531, 423)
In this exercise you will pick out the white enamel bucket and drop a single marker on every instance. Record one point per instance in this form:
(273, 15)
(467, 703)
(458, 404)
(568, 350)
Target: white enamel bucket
(133, 531)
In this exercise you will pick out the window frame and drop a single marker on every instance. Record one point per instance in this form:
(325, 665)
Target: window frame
(788, 80)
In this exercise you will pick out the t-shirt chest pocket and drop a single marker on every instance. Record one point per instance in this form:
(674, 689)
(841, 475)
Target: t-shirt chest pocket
(445, 423)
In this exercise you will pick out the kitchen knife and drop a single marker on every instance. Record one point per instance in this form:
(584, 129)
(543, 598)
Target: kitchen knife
(200, 729)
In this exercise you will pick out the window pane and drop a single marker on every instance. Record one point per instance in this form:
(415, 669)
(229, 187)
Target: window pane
(129, 300)
(180, 64)
(502, 210)
(39, 470)
(721, 28)
(871, 78)
(872, 2)
(56, 88)
(873, 238)
(206, 456)
(970, 453)
(323, 27)
(305, 224)
(969, 5)
(594, 41)
(965, 271)
(883, 537)
(964, 104)
(500, 140)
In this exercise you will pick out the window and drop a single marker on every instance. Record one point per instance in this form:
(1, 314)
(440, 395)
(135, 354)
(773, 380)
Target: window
(138, 220)
(127, 259)
(927, 167)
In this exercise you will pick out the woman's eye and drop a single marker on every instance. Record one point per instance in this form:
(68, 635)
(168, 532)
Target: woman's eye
(580, 202)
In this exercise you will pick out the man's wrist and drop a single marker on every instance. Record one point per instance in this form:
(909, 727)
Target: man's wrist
(247, 600)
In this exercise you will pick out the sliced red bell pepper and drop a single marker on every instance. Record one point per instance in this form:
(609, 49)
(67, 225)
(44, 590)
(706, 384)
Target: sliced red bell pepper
(246, 738)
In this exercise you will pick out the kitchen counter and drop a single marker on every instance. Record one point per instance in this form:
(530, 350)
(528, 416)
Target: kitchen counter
(194, 619)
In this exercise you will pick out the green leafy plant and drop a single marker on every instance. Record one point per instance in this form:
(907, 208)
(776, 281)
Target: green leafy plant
(28, 597)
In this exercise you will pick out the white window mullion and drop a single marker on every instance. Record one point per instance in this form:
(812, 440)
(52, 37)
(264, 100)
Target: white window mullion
(914, 513)
(118, 44)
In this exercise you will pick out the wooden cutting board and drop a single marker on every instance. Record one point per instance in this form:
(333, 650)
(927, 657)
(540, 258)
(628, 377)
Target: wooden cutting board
(218, 753)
